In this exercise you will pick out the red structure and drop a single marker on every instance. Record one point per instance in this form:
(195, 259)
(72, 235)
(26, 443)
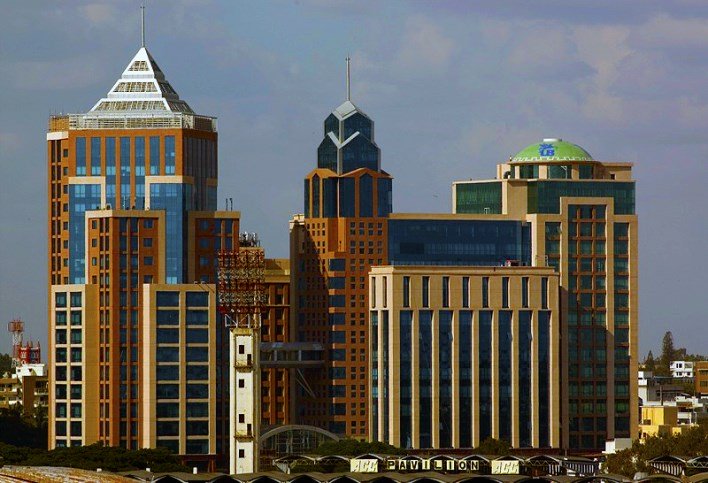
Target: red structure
(16, 327)
(30, 353)
(241, 287)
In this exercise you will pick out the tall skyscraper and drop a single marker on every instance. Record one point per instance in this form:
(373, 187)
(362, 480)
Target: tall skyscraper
(544, 370)
(342, 234)
(133, 237)
(584, 225)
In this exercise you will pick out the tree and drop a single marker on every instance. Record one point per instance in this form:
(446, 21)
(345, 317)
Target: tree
(493, 446)
(668, 351)
(5, 364)
(649, 362)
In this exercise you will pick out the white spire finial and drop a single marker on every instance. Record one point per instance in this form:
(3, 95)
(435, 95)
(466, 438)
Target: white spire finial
(349, 92)
(142, 25)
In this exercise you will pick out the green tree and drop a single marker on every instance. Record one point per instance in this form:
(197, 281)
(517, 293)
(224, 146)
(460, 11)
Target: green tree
(668, 351)
(649, 362)
(5, 364)
(493, 446)
(621, 463)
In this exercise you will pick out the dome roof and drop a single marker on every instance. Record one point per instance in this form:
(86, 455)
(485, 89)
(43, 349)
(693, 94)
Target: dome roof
(552, 149)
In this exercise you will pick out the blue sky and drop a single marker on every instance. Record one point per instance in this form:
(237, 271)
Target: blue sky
(454, 88)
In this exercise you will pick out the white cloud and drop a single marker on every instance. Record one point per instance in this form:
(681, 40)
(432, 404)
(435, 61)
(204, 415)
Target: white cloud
(424, 47)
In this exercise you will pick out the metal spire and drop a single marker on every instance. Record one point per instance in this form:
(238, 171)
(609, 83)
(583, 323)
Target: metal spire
(142, 24)
(349, 93)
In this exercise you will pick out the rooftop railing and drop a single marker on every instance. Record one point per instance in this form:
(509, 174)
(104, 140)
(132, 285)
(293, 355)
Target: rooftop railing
(65, 122)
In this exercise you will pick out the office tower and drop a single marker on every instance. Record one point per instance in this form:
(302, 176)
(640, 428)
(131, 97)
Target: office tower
(133, 236)
(464, 353)
(584, 226)
(341, 235)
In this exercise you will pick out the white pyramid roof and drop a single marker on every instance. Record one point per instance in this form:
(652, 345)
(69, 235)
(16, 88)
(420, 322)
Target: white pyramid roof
(142, 89)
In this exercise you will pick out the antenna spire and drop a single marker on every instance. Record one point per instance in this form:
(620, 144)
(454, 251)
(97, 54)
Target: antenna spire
(349, 92)
(142, 25)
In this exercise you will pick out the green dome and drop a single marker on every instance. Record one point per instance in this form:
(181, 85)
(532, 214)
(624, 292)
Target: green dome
(552, 149)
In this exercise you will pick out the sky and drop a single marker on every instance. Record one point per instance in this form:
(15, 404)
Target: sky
(454, 88)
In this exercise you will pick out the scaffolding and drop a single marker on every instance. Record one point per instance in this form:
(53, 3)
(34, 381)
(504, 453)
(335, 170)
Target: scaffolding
(241, 290)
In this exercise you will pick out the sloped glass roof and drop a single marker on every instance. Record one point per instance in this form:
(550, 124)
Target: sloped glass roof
(141, 89)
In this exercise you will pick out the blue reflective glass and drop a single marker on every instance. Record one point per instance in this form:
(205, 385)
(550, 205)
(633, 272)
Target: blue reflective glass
(172, 198)
(140, 172)
(544, 372)
(95, 156)
(524, 368)
(425, 374)
(80, 156)
(111, 172)
(329, 197)
(504, 355)
(167, 373)
(479, 198)
(386, 372)
(445, 375)
(347, 195)
(154, 155)
(465, 371)
(485, 374)
(374, 321)
(406, 377)
(315, 196)
(82, 197)
(125, 170)
(169, 155)
(384, 197)
(327, 154)
(359, 153)
(366, 196)
(544, 196)
(458, 242)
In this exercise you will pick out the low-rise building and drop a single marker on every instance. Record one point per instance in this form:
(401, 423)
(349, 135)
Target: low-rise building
(681, 369)
(700, 370)
(661, 420)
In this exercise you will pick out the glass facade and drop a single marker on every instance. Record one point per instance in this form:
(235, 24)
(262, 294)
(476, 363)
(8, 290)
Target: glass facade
(465, 371)
(524, 368)
(82, 197)
(544, 378)
(406, 372)
(504, 355)
(485, 374)
(80, 156)
(125, 194)
(111, 172)
(425, 375)
(458, 242)
(169, 155)
(140, 172)
(544, 196)
(95, 156)
(445, 378)
(174, 199)
(479, 198)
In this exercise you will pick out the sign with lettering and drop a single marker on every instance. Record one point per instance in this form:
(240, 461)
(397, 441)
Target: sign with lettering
(364, 466)
(546, 150)
(395, 464)
(505, 467)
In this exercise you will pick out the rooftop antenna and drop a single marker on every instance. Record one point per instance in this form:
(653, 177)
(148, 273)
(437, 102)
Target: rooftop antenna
(349, 93)
(142, 25)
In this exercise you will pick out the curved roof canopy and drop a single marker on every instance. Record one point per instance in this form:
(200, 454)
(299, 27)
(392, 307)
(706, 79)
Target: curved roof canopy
(551, 149)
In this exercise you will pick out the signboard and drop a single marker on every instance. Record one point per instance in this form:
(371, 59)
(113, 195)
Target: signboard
(364, 466)
(394, 464)
(505, 467)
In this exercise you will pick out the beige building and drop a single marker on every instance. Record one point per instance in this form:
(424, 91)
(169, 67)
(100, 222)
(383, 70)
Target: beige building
(460, 354)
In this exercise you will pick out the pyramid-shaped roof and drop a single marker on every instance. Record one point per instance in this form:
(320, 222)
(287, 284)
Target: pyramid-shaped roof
(142, 89)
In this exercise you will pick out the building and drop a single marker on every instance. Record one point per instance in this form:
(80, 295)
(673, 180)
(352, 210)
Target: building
(701, 378)
(340, 237)
(276, 390)
(681, 369)
(584, 225)
(133, 227)
(656, 389)
(661, 421)
(461, 354)
(27, 386)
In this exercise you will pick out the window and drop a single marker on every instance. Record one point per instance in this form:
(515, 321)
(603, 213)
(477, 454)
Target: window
(485, 292)
(167, 317)
(76, 299)
(76, 336)
(426, 291)
(406, 291)
(197, 299)
(373, 292)
(60, 299)
(147, 261)
(465, 292)
(168, 299)
(446, 291)
(524, 292)
(505, 292)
